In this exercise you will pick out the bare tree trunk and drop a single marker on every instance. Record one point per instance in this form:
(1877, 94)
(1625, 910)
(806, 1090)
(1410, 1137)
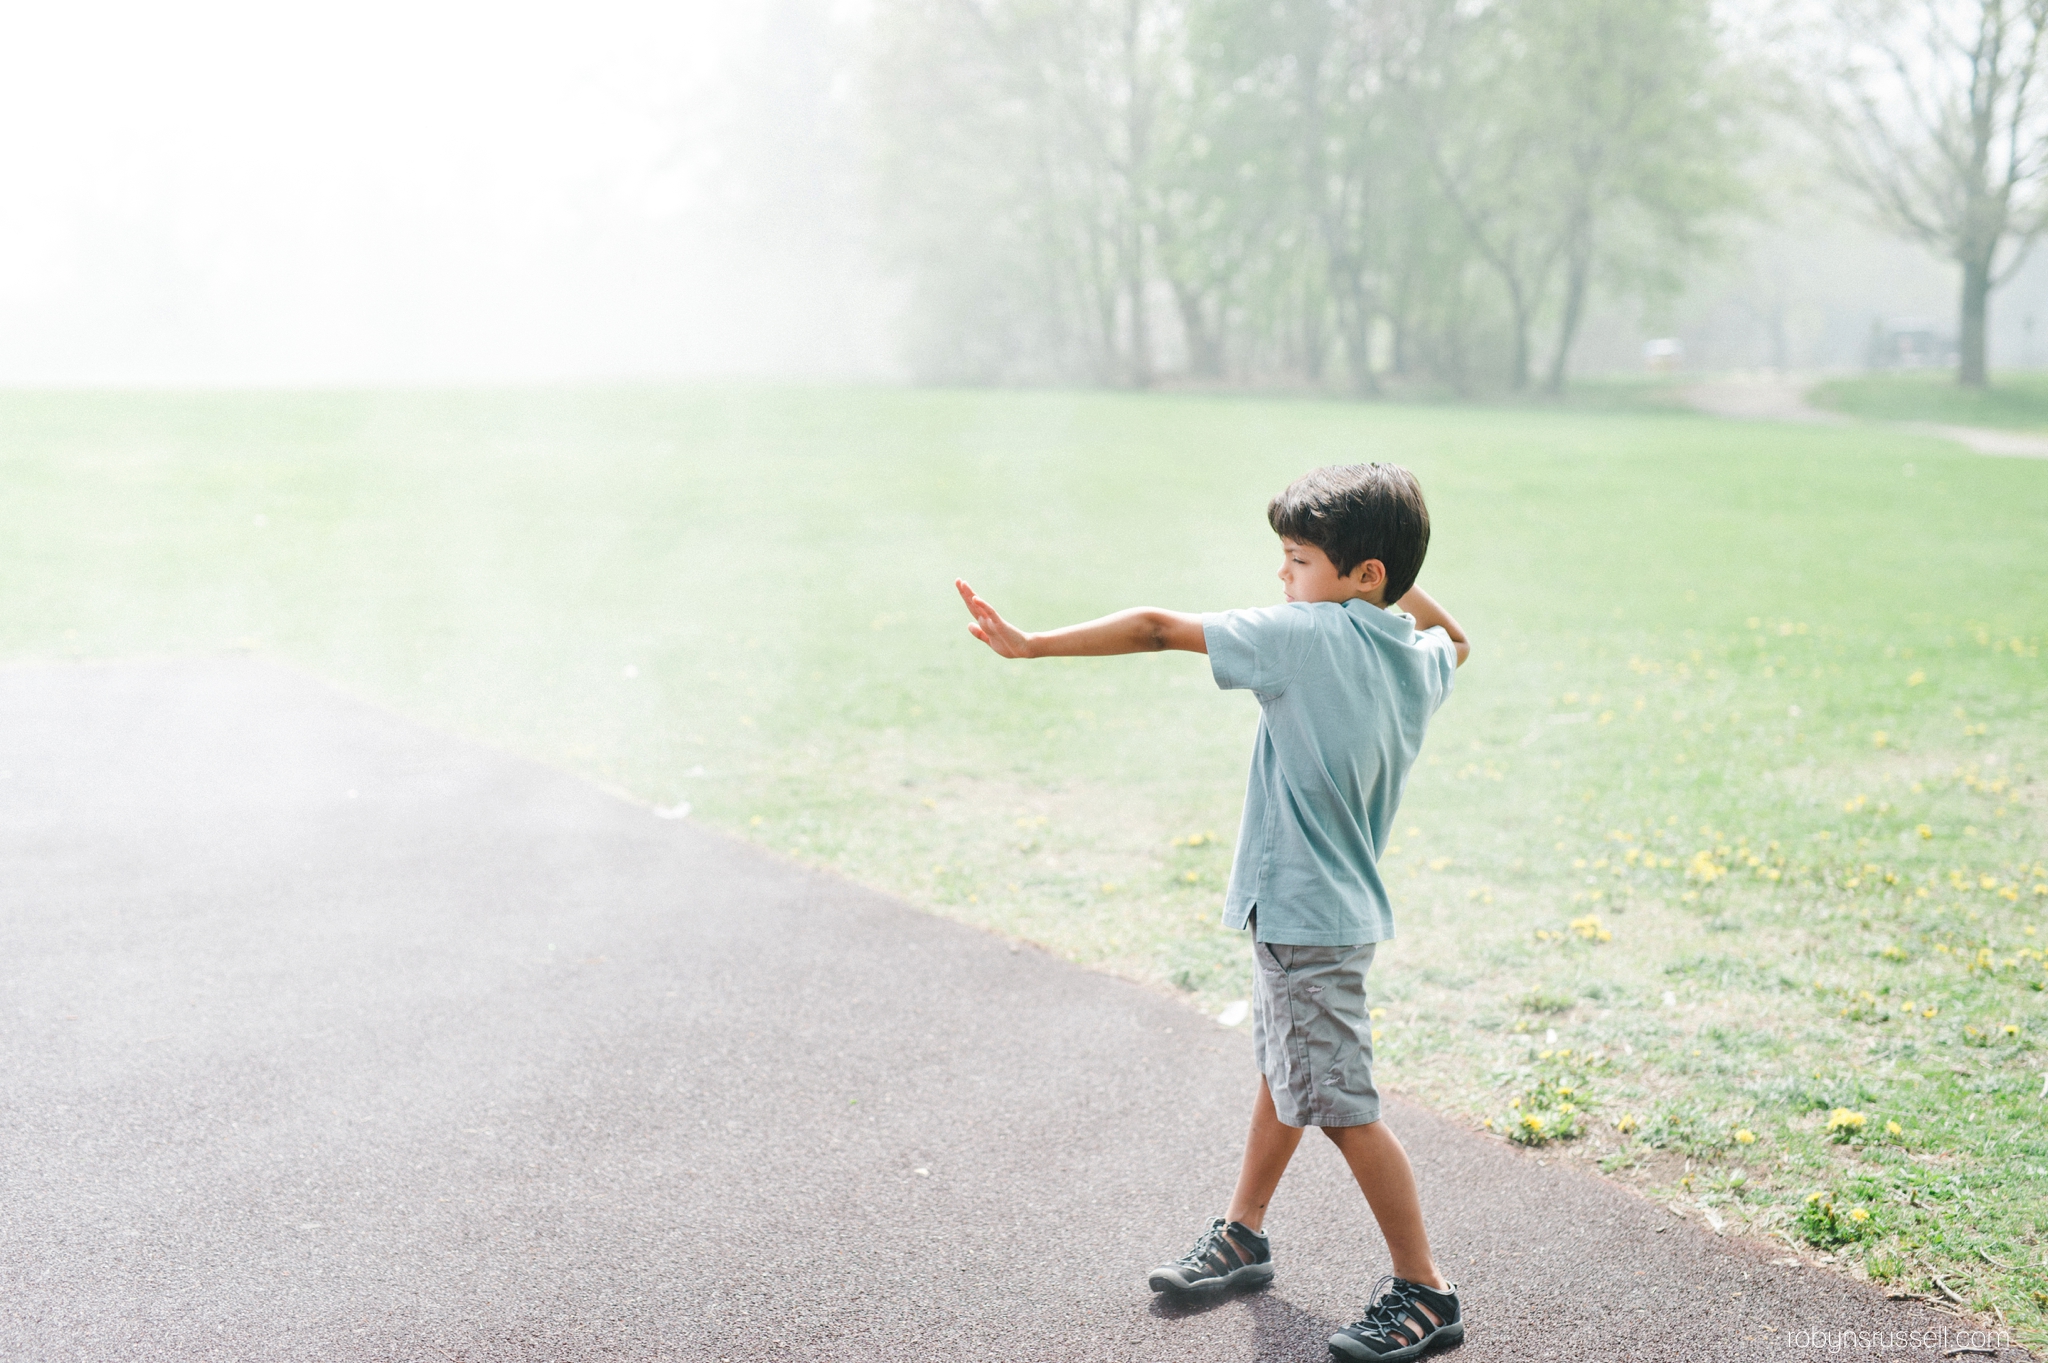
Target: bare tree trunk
(1105, 310)
(1970, 369)
(1137, 173)
(1205, 347)
(1141, 322)
(1397, 324)
(1518, 367)
(1315, 341)
(1578, 274)
(1354, 317)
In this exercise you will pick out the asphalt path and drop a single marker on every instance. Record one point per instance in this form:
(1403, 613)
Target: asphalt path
(328, 1037)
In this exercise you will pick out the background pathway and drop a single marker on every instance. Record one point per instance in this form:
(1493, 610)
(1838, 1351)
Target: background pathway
(327, 1037)
(1774, 397)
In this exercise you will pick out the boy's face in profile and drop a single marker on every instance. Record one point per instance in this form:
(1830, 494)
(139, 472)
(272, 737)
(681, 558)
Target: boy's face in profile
(1308, 575)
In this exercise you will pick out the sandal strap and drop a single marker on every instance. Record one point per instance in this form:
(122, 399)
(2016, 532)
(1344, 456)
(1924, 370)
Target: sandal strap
(1396, 1316)
(1223, 1255)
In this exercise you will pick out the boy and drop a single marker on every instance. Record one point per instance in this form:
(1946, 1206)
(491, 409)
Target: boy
(1346, 684)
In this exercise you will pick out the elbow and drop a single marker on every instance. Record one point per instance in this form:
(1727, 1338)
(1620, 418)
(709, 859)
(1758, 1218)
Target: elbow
(1152, 632)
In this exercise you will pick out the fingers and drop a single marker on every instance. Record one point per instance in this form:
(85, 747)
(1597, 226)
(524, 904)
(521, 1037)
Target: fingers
(987, 626)
(974, 603)
(983, 611)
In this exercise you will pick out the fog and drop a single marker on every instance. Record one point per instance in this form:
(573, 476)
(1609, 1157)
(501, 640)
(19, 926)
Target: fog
(227, 192)
(233, 193)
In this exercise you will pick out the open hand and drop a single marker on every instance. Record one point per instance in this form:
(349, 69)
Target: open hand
(998, 633)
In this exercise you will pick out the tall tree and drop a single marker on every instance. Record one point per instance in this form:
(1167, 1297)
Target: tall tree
(1579, 140)
(1020, 178)
(1939, 116)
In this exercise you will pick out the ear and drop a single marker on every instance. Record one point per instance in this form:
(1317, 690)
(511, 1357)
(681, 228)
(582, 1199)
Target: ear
(1371, 577)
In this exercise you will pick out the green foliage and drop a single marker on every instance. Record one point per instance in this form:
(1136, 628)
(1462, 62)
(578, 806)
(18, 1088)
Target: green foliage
(1826, 1225)
(1682, 1127)
(1553, 1096)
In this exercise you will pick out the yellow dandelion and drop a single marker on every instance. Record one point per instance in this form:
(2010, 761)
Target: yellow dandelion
(1924, 831)
(2010, 1029)
(1625, 1123)
(1843, 1119)
(1880, 739)
(1745, 1137)
(1929, 1011)
(1894, 1129)
(1859, 1216)
(1916, 679)
(1532, 1123)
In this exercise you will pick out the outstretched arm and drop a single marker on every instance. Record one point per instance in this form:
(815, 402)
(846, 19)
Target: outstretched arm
(1429, 614)
(1134, 631)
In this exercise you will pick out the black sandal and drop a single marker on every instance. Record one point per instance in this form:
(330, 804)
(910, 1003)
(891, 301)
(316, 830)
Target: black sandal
(1396, 1328)
(1228, 1255)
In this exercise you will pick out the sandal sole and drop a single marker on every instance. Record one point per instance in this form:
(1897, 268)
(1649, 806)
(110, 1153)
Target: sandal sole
(1443, 1337)
(1249, 1276)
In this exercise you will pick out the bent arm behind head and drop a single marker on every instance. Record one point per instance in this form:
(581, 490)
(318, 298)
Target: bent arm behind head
(1429, 615)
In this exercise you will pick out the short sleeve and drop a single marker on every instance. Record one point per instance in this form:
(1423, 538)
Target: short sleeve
(1255, 650)
(1443, 657)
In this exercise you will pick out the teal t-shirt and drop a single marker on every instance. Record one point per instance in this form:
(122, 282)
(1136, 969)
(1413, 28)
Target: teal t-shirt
(1345, 693)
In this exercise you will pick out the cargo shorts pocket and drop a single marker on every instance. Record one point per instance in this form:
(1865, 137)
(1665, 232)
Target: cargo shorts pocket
(1312, 1033)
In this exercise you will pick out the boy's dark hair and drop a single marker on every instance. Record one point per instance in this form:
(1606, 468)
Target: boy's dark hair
(1353, 512)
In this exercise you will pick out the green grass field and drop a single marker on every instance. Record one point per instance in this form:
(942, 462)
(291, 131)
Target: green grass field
(2014, 401)
(1725, 865)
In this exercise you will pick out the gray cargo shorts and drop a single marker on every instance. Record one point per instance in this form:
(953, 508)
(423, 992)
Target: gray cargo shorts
(1312, 1033)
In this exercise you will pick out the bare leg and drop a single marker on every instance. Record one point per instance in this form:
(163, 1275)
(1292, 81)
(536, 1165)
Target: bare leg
(1381, 1167)
(1267, 1149)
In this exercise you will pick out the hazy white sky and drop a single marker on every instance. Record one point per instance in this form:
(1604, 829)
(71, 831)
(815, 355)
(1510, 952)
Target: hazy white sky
(228, 191)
